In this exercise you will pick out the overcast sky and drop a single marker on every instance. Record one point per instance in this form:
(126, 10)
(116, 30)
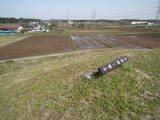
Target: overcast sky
(79, 9)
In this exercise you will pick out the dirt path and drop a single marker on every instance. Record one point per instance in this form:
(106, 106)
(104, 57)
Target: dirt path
(30, 58)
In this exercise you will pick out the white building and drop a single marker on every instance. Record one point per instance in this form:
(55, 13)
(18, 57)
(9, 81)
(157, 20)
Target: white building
(139, 23)
(150, 23)
(70, 22)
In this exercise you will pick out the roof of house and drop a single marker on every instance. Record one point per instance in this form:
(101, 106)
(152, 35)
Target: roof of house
(10, 27)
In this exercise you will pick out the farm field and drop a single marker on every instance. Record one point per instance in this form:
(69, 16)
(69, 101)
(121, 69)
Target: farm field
(116, 41)
(147, 41)
(43, 45)
(36, 45)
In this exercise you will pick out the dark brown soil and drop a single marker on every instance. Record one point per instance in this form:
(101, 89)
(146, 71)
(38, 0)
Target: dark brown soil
(43, 45)
(146, 41)
(36, 45)
(116, 41)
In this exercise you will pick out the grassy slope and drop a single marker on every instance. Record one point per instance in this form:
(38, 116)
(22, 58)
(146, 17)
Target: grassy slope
(51, 87)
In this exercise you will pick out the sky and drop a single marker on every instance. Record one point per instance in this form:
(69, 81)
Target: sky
(79, 9)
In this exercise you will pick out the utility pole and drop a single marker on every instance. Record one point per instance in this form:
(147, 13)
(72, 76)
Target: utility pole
(158, 13)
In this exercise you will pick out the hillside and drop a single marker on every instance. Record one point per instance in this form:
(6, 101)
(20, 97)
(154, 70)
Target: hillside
(52, 87)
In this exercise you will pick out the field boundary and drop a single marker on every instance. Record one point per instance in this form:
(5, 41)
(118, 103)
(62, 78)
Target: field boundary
(30, 58)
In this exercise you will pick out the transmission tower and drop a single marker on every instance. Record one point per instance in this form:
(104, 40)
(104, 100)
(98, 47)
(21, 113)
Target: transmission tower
(94, 14)
(158, 13)
(68, 15)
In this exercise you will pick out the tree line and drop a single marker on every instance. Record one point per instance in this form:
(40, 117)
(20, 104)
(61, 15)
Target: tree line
(18, 20)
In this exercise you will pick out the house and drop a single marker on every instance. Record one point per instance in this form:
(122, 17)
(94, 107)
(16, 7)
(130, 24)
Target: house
(19, 28)
(11, 28)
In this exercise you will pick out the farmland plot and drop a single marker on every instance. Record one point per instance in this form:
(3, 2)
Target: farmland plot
(115, 42)
(101, 41)
(35, 46)
(44, 45)
(86, 42)
(145, 41)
